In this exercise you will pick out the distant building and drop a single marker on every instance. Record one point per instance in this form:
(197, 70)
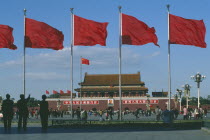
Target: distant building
(101, 91)
(107, 85)
(160, 94)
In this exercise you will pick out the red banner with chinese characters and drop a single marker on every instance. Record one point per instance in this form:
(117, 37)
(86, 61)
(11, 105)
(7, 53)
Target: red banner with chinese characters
(83, 102)
(140, 101)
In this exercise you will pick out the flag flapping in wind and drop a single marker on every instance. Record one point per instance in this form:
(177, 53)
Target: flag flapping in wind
(85, 61)
(47, 92)
(6, 37)
(42, 35)
(187, 31)
(136, 32)
(89, 32)
(61, 92)
(68, 91)
(55, 92)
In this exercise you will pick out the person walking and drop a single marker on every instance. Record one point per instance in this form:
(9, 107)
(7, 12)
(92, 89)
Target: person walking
(44, 112)
(23, 111)
(7, 108)
(136, 113)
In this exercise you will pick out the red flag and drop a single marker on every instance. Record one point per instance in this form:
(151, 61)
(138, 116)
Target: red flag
(41, 35)
(6, 38)
(85, 61)
(88, 32)
(47, 92)
(68, 91)
(61, 92)
(187, 31)
(136, 32)
(55, 92)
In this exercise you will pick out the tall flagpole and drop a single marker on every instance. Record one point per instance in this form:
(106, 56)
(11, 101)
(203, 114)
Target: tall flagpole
(72, 44)
(169, 62)
(120, 44)
(80, 83)
(24, 52)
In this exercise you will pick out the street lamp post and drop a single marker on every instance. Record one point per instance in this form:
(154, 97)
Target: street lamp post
(187, 92)
(180, 99)
(198, 78)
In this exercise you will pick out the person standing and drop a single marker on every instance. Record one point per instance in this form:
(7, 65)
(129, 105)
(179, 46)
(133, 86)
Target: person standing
(36, 113)
(86, 116)
(7, 108)
(44, 112)
(176, 113)
(23, 111)
(136, 113)
(107, 114)
(205, 112)
(196, 113)
(110, 113)
(17, 114)
(82, 115)
(167, 116)
(118, 114)
(73, 112)
(200, 111)
(100, 115)
(185, 112)
(158, 113)
(78, 113)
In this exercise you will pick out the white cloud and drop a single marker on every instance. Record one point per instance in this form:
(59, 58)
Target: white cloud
(154, 54)
(11, 63)
(56, 64)
(45, 76)
(61, 59)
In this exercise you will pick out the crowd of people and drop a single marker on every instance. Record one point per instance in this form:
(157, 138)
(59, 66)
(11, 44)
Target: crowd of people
(83, 114)
(161, 114)
(196, 113)
(22, 113)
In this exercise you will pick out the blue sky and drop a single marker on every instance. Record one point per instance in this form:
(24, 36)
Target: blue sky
(50, 70)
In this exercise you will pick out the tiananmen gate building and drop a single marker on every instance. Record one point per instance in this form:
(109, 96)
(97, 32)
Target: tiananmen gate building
(101, 91)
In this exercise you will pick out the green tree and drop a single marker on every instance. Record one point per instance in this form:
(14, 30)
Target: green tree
(33, 102)
(54, 96)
